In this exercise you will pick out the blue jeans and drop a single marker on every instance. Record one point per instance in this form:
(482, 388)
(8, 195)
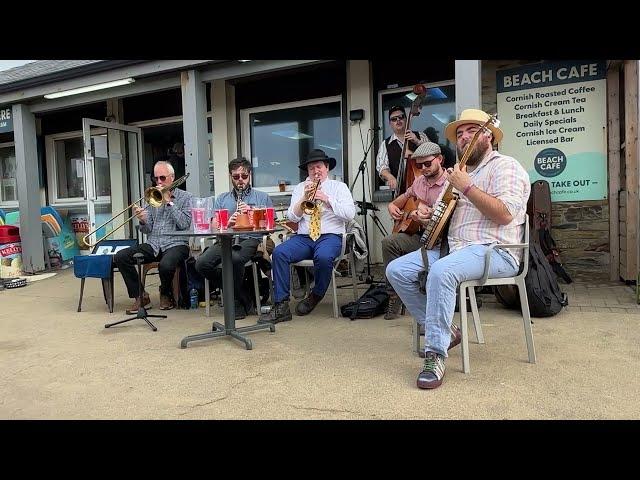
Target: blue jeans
(300, 247)
(435, 310)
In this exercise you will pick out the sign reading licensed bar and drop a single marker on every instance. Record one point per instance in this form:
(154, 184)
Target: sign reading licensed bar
(553, 116)
(6, 120)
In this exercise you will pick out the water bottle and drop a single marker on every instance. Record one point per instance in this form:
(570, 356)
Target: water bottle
(193, 295)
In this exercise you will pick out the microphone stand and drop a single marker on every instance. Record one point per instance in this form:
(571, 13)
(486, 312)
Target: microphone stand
(364, 207)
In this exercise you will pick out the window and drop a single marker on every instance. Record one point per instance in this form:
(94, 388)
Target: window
(438, 109)
(8, 185)
(276, 138)
(65, 157)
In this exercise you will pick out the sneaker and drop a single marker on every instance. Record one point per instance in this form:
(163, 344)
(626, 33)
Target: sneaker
(166, 302)
(279, 313)
(432, 372)
(307, 305)
(146, 303)
(456, 337)
(393, 307)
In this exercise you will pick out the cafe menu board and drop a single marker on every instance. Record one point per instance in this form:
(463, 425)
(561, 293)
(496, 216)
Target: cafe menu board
(554, 120)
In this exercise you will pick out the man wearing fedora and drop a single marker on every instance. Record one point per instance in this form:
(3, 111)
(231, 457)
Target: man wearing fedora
(319, 235)
(425, 189)
(493, 191)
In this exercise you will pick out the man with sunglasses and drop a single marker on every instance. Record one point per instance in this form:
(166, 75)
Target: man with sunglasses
(426, 189)
(388, 159)
(169, 251)
(208, 262)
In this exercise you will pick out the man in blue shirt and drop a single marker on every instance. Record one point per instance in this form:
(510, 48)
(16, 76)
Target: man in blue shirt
(207, 263)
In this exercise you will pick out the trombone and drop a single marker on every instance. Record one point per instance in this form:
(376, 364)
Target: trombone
(154, 196)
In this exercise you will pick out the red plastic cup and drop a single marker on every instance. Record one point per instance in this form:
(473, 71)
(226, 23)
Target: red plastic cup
(222, 217)
(271, 218)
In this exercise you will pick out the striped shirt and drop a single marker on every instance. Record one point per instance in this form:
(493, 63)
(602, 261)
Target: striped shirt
(501, 177)
(168, 219)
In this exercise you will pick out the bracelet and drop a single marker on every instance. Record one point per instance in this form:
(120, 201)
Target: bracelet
(464, 192)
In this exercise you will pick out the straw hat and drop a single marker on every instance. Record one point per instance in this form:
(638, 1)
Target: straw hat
(471, 115)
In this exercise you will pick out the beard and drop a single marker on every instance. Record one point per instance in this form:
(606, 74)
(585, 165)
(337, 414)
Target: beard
(480, 150)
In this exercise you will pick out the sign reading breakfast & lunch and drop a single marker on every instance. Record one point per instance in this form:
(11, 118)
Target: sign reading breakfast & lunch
(553, 116)
(6, 120)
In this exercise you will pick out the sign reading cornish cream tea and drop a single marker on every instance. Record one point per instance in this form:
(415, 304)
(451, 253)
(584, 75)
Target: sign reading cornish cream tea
(6, 120)
(553, 116)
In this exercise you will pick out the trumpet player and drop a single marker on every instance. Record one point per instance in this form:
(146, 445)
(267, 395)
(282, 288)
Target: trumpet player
(236, 201)
(170, 251)
(321, 224)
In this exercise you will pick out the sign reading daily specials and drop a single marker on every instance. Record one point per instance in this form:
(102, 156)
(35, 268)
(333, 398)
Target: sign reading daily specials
(553, 116)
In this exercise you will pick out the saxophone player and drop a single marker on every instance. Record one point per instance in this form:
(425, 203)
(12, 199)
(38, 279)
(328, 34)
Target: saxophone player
(321, 207)
(235, 201)
(493, 191)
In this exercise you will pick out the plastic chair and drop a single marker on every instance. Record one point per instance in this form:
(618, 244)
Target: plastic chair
(99, 264)
(518, 280)
(345, 254)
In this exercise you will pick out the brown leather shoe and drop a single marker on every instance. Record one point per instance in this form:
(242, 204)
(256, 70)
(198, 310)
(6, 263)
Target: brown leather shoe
(166, 303)
(146, 301)
(456, 337)
(307, 305)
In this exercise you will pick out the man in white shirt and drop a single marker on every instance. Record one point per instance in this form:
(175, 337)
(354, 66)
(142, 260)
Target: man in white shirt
(319, 235)
(388, 159)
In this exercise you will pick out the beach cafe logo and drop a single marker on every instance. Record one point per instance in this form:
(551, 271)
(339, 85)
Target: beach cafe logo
(6, 122)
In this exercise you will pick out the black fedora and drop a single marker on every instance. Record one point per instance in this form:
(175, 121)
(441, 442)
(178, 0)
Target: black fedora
(316, 156)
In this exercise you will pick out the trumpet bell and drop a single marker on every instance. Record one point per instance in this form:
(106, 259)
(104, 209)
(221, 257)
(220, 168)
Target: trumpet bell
(308, 207)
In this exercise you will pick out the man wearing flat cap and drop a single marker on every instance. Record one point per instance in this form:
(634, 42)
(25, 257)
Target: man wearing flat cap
(425, 190)
(493, 191)
(319, 235)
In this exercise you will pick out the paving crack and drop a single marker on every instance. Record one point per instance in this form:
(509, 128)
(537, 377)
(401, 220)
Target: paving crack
(329, 410)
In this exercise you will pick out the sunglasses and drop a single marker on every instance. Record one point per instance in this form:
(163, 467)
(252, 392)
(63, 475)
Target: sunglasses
(396, 118)
(237, 177)
(162, 178)
(426, 164)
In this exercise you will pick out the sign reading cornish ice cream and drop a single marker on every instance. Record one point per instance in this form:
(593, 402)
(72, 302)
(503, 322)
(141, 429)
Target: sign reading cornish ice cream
(553, 116)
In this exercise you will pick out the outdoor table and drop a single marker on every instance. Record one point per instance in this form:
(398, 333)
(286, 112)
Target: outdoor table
(229, 329)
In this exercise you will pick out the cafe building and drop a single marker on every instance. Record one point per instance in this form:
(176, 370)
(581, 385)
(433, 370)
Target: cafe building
(79, 138)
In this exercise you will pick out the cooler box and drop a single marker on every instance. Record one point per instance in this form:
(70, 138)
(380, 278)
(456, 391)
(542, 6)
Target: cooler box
(10, 252)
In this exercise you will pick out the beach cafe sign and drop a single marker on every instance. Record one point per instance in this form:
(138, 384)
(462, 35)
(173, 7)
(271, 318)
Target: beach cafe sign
(6, 120)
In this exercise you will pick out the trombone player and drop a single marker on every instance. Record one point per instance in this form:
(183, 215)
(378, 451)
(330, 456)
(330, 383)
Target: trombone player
(170, 251)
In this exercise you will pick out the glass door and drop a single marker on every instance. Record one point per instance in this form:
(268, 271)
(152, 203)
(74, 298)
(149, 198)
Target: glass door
(113, 177)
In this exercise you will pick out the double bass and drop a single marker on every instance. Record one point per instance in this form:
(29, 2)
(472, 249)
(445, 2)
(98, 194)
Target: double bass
(407, 172)
(444, 209)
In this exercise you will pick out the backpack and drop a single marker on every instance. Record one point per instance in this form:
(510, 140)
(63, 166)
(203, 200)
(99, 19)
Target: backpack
(373, 302)
(539, 210)
(543, 293)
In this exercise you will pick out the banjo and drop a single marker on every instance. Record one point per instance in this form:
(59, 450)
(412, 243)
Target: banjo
(447, 204)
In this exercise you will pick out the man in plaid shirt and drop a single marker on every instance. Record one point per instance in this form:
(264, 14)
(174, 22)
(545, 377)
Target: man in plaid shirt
(170, 251)
(493, 191)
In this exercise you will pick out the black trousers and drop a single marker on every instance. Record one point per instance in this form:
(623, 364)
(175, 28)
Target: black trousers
(207, 265)
(169, 260)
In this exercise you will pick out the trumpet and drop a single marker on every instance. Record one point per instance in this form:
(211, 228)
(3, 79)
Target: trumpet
(309, 206)
(153, 196)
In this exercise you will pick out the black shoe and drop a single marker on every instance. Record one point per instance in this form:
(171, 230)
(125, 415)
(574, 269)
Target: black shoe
(279, 313)
(307, 305)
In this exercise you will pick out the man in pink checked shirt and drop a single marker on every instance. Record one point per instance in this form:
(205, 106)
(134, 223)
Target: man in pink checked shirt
(493, 190)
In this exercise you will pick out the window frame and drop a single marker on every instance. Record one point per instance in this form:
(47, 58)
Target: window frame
(245, 129)
(13, 203)
(52, 163)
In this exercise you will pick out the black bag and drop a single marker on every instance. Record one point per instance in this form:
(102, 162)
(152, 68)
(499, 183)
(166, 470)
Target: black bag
(373, 302)
(543, 293)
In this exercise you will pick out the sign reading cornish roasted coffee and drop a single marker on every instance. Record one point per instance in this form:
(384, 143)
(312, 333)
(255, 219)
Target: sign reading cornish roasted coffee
(6, 120)
(553, 116)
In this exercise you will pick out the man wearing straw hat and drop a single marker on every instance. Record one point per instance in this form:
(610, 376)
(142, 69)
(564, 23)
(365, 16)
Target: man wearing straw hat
(493, 191)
